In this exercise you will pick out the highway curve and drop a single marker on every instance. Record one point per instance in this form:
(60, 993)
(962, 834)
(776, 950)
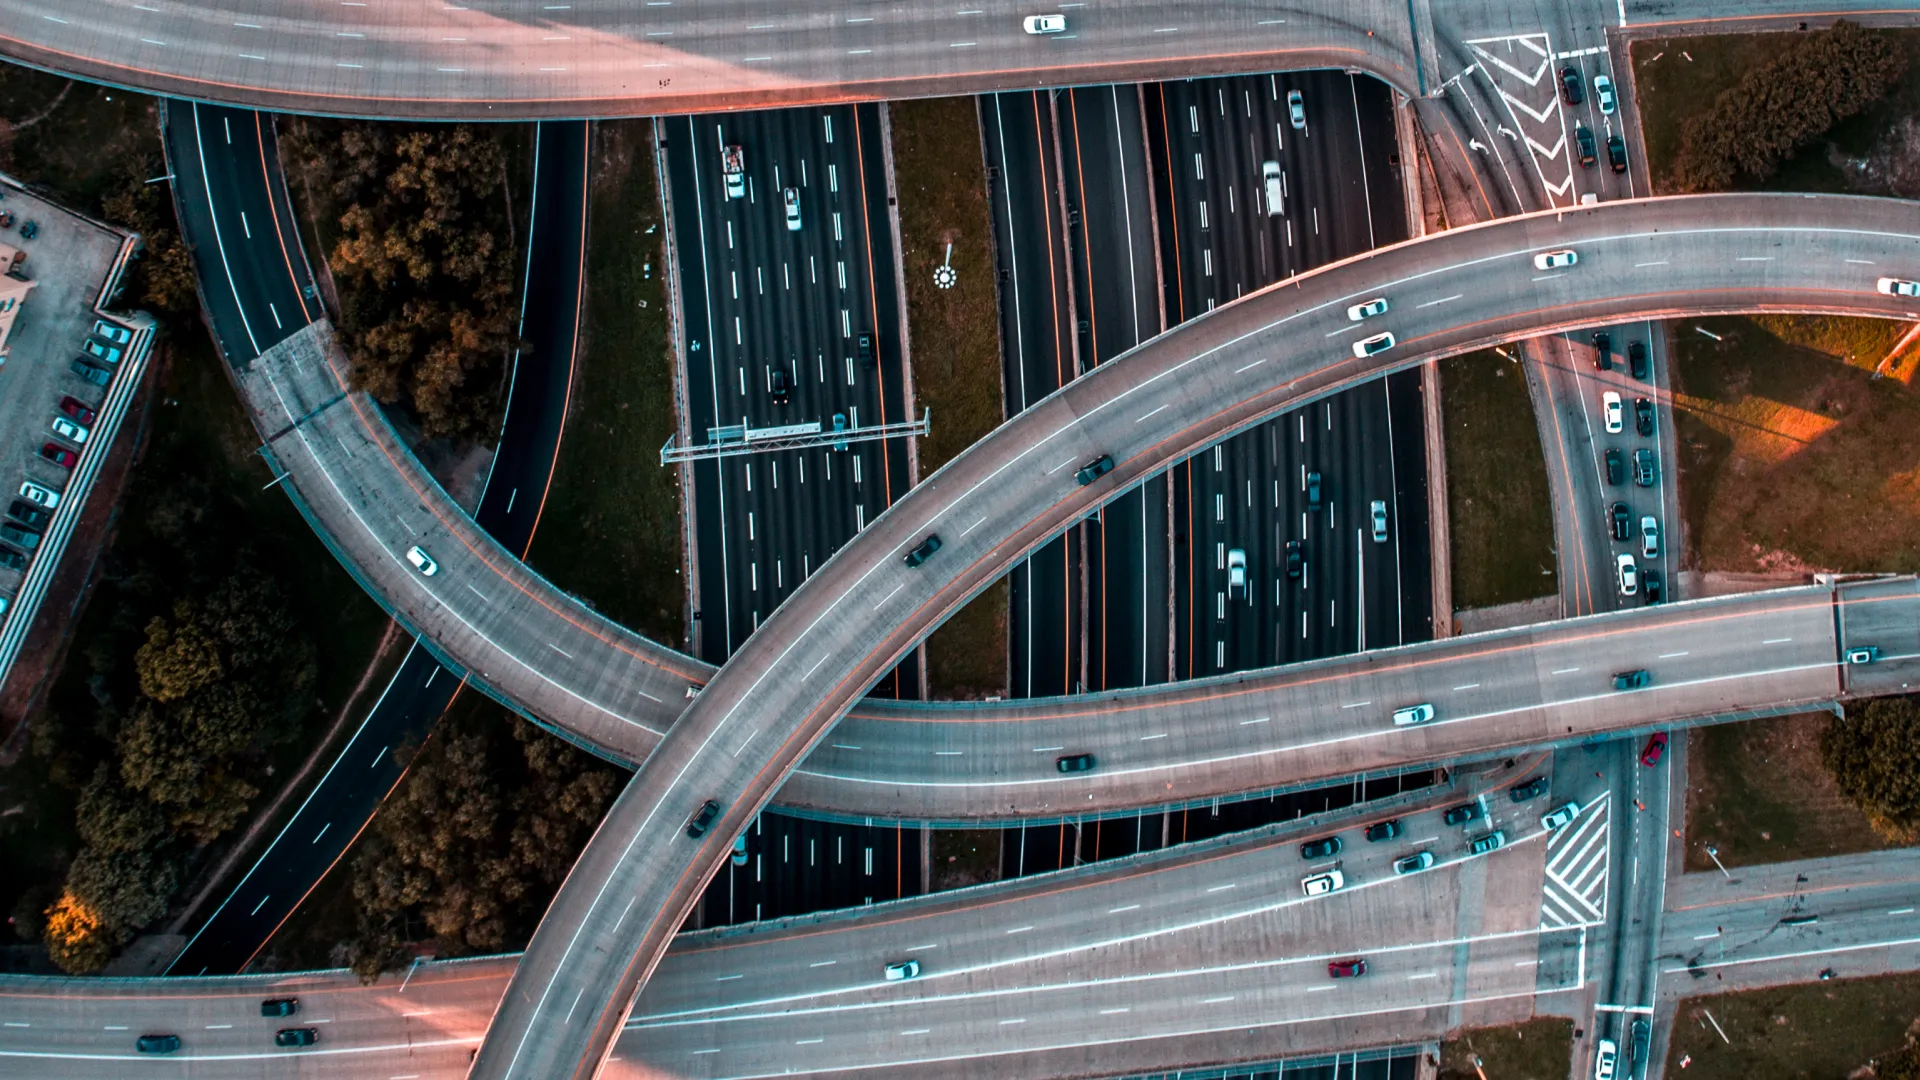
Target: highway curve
(1274, 350)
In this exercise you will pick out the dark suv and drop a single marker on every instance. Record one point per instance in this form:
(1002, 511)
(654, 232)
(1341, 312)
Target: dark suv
(1616, 466)
(1631, 680)
(1324, 848)
(1464, 813)
(1532, 789)
(925, 551)
(28, 514)
(1383, 830)
(779, 388)
(1094, 470)
(1585, 138)
(1622, 522)
(702, 819)
(279, 1006)
(1296, 558)
(1073, 763)
(296, 1036)
(1637, 359)
(1572, 91)
(1643, 416)
(1616, 153)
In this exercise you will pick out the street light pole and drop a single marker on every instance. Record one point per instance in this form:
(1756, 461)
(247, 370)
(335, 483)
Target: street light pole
(1714, 854)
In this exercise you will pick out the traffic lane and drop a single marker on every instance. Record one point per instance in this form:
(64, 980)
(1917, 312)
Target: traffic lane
(760, 55)
(326, 823)
(1333, 717)
(1618, 237)
(1029, 253)
(1863, 925)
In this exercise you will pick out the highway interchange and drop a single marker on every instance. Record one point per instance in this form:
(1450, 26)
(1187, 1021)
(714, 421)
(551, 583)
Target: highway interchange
(1132, 410)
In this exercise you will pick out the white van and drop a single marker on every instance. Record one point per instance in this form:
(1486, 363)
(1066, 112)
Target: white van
(1270, 178)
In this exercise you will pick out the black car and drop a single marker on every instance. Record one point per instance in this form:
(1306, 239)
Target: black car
(1094, 470)
(1532, 789)
(1572, 90)
(1631, 680)
(157, 1044)
(1383, 830)
(14, 534)
(98, 376)
(1313, 491)
(779, 387)
(1650, 586)
(1637, 359)
(1585, 139)
(1616, 153)
(702, 819)
(1603, 350)
(864, 343)
(279, 1006)
(12, 560)
(1296, 558)
(28, 514)
(1616, 466)
(925, 551)
(296, 1036)
(1643, 467)
(1073, 763)
(1643, 416)
(1463, 813)
(1324, 848)
(1622, 522)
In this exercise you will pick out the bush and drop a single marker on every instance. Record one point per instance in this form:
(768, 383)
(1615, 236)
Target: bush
(424, 261)
(1874, 755)
(1813, 82)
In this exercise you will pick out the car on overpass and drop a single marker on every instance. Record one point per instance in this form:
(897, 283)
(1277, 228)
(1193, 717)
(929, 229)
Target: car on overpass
(1321, 884)
(1347, 969)
(1899, 287)
(1555, 260)
(1324, 848)
(1044, 24)
(1414, 863)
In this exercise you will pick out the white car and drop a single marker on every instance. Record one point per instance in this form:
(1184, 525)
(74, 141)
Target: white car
(1629, 575)
(107, 331)
(791, 196)
(1372, 346)
(1275, 188)
(1412, 714)
(70, 431)
(1893, 286)
(1603, 93)
(1375, 306)
(906, 969)
(1610, 401)
(1044, 24)
(1563, 816)
(1555, 260)
(1320, 884)
(1379, 513)
(1605, 1054)
(422, 561)
(1236, 572)
(45, 496)
(1297, 110)
(1649, 537)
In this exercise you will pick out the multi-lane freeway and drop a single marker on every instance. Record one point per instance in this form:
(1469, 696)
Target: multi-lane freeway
(850, 622)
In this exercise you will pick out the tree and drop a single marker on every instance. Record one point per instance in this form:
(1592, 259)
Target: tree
(113, 818)
(178, 658)
(1811, 83)
(77, 939)
(126, 890)
(1874, 755)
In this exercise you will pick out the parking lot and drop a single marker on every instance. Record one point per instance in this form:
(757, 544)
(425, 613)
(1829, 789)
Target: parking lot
(61, 381)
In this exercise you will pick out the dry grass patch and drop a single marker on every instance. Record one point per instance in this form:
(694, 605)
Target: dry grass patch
(1540, 1049)
(1811, 1031)
(1759, 793)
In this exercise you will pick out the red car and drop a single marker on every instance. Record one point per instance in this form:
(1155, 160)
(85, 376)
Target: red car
(1656, 746)
(59, 455)
(76, 409)
(1347, 969)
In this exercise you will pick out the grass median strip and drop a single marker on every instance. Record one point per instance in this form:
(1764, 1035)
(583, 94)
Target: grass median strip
(1500, 518)
(944, 221)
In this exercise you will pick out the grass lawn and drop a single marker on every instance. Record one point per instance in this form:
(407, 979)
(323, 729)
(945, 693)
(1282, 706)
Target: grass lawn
(1793, 456)
(1676, 78)
(955, 337)
(1540, 1049)
(1758, 792)
(1499, 515)
(1810, 1031)
(611, 529)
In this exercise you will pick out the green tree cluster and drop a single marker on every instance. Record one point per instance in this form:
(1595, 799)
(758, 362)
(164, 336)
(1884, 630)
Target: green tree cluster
(1874, 755)
(163, 275)
(424, 261)
(215, 679)
(472, 846)
(1812, 82)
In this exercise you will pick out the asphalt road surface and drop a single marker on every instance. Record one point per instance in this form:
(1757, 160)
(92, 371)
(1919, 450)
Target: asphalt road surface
(353, 787)
(857, 616)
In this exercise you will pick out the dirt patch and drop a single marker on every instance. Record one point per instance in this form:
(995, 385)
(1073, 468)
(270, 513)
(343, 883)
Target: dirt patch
(1758, 792)
(963, 857)
(1540, 1049)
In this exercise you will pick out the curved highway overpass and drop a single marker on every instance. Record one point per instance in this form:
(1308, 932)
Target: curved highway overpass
(1465, 289)
(1121, 967)
(520, 59)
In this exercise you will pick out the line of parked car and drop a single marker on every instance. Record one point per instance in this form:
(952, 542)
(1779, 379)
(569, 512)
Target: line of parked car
(72, 425)
(1631, 578)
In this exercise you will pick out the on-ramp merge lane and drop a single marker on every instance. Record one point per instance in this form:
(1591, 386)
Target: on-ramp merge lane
(640, 875)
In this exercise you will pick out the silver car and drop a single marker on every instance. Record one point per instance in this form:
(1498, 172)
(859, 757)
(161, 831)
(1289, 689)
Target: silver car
(1379, 512)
